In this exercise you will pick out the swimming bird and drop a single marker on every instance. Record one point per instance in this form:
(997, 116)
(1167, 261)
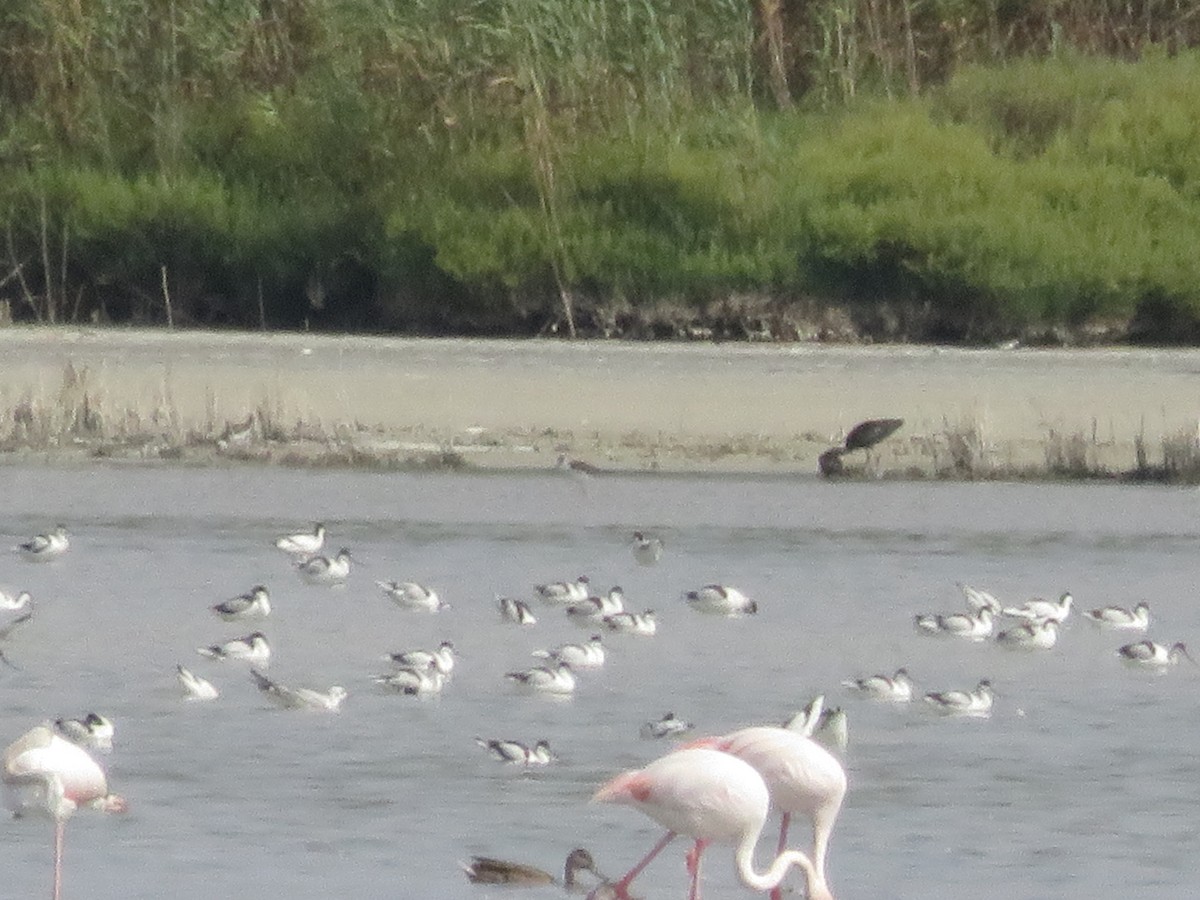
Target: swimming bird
(587, 613)
(412, 681)
(827, 726)
(973, 627)
(647, 549)
(254, 604)
(1056, 610)
(556, 678)
(1149, 655)
(14, 602)
(563, 593)
(977, 599)
(195, 687)
(299, 698)
(1118, 618)
(517, 753)
(93, 731)
(643, 624)
(410, 595)
(803, 778)
(588, 655)
(45, 547)
(669, 725)
(488, 870)
(515, 611)
(252, 648)
(720, 600)
(304, 543)
(977, 702)
(897, 688)
(711, 797)
(1039, 634)
(324, 570)
(441, 659)
(48, 775)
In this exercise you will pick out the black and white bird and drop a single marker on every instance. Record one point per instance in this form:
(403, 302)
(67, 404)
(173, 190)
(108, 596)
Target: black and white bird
(304, 543)
(516, 753)
(45, 547)
(254, 604)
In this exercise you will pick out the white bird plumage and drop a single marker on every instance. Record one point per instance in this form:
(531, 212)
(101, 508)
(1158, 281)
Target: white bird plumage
(647, 549)
(45, 547)
(324, 570)
(971, 626)
(304, 543)
(720, 600)
(410, 595)
(1039, 634)
(1055, 610)
(976, 702)
(1152, 655)
(195, 687)
(93, 731)
(556, 678)
(897, 688)
(670, 725)
(588, 655)
(299, 698)
(516, 753)
(441, 659)
(14, 602)
(563, 593)
(1118, 618)
(254, 604)
(252, 648)
(643, 624)
(413, 681)
(515, 611)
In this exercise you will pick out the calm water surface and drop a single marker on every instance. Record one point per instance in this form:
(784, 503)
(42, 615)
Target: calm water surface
(1083, 783)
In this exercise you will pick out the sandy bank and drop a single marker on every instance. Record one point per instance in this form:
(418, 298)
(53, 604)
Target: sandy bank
(676, 407)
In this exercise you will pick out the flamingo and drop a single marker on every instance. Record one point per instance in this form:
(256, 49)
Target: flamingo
(45, 773)
(711, 797)
(802, 776)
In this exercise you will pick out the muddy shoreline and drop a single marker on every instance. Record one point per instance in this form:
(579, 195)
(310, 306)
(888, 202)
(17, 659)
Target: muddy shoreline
(201, 397)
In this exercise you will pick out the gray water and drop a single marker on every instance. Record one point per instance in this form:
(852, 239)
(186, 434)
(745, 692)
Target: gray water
(1082, 784)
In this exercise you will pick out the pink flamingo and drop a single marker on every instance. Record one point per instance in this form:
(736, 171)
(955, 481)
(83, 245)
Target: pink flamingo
(711, 797)
(802, 776)
(48, 774)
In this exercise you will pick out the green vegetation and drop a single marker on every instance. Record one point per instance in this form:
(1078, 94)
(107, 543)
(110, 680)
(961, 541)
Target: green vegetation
(934, 169)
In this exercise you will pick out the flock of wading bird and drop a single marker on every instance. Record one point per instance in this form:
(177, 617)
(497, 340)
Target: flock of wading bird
(714, 790)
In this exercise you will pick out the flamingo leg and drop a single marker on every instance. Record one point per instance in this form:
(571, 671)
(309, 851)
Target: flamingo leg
(621, 888)
(59, 827)
(784, 820)
(693, 867)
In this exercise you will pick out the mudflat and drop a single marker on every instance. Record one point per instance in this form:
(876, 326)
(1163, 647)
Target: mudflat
(771, 408)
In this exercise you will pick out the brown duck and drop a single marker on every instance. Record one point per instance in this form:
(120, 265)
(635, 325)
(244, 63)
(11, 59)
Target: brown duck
(486, 870)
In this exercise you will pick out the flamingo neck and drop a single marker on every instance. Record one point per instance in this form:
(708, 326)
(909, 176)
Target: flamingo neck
(771, 879)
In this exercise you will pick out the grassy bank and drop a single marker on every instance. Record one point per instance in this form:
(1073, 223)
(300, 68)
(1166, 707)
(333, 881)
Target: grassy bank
(657, 170)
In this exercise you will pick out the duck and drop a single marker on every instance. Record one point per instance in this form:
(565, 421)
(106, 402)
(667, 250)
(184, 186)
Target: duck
(45, 547)
(563, 593)
(515, 611)
(93, 731)
(1040, 634)
(588, 655)
(552, 679)
(412, 681)
(324, 570)
(252, 648)
(669, 725)
(487, 870)
(299, 698)
(441, 659)
(195, 687)
(643, 624)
